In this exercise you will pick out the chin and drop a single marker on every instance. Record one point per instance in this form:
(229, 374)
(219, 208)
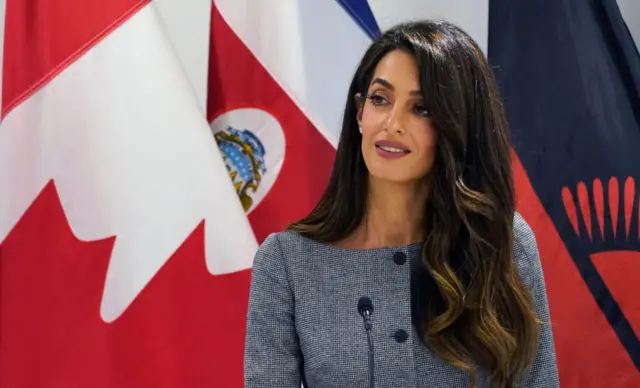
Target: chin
(403, 172)
(394, 176)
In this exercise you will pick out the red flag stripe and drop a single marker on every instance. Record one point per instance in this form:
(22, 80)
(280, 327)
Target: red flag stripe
(56, 32)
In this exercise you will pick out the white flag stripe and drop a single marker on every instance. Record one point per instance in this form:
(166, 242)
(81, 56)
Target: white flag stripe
(3, 8)
(132, 156)
(188, 23)
(313, 65)
(630, 10)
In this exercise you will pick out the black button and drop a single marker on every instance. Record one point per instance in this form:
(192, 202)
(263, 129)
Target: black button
(400, 336)
(399, 258)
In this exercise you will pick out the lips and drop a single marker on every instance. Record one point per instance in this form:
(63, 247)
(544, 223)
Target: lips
(392, 147)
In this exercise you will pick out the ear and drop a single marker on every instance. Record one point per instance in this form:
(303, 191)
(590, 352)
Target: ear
(359, 100)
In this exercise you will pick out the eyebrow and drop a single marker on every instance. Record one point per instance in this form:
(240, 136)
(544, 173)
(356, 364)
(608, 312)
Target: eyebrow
(389, 86)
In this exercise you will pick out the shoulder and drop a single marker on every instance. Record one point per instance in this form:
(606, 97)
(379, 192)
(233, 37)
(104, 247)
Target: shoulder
(283, 243)
(526, 253)
(524, 238)
(544, 371)
(271, 264)
(289, 259)
(279, 247)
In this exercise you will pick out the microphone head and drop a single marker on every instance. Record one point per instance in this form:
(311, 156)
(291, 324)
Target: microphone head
(365, 304)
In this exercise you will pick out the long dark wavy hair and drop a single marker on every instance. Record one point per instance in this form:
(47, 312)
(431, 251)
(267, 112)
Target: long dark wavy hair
(471, 307)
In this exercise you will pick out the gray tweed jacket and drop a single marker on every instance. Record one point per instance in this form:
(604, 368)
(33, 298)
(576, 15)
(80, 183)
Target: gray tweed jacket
(303, 324)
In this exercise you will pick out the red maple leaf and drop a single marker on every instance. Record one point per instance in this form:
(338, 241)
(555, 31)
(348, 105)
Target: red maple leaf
(185, 329)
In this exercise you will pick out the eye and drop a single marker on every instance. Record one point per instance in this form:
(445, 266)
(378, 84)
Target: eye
(421, 110)
(376, 99)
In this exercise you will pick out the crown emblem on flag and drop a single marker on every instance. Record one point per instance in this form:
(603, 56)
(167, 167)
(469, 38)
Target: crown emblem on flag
(243, 155)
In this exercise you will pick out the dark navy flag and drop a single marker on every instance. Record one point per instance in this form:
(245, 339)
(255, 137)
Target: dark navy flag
(570, 76)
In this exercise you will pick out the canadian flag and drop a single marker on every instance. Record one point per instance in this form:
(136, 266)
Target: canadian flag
(116, 209)
(129, 216)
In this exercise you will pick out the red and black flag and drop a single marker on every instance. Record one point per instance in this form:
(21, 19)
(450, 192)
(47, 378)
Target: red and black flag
(570, 76)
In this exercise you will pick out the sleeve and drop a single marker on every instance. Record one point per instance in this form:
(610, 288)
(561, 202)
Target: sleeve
(544, 371)
(272, 353)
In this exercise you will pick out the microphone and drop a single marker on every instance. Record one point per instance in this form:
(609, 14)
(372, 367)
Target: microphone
(365, 309)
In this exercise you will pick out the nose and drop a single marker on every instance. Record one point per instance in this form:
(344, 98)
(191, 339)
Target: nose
(396, 120)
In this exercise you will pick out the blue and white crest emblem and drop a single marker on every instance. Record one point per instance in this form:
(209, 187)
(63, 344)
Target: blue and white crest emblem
(252, 145)
(243, 155)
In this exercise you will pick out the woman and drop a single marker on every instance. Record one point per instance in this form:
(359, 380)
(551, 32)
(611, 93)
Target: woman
(414, 255)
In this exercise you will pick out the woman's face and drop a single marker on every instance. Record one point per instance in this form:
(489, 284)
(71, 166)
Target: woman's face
(398, 139)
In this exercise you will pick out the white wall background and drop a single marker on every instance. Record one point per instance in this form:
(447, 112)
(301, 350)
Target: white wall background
(470, 15)
(631, 13)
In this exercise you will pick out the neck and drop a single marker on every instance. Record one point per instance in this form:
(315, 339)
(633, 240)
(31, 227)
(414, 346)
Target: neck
(395, 214)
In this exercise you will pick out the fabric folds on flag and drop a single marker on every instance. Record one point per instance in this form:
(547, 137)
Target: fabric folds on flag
(570, 74)
(280, 89)
(117, 216)
(129, 216)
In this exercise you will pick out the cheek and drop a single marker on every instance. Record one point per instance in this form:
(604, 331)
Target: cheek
(427, 143)
(371, 121)
(427, 139)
